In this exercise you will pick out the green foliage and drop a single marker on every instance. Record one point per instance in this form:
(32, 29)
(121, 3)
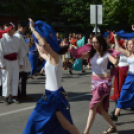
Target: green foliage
(118, 13)
(37, 9)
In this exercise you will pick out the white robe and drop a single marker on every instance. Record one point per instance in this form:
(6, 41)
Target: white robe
(27, 65)
(10, 76)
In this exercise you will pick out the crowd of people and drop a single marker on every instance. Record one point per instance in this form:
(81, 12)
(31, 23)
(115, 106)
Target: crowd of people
(19, 56)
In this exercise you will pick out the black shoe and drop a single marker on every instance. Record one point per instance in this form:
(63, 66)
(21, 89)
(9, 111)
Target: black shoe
(6, 102)
(132, 108)
(14, 100)
(114, 118)
(71, 72)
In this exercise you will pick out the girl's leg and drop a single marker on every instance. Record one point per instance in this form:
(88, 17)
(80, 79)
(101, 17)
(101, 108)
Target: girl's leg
(117, 111)
(106, 115)
(91, 117)
(66, 124)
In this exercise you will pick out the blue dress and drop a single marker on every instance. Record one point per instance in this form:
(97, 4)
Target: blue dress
(126, 99)
(33, 57)
(78, 62)
(43, 119)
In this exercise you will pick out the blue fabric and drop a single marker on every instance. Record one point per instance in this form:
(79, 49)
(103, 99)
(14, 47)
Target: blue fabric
(47, 31)
(77, 66)
(81, 42)
(126, 99)
(43, 119)
(33, 58)
(124, 35)
(121, 32)
(106, 34)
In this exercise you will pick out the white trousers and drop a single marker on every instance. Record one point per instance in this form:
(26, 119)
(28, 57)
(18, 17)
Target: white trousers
(10, 78)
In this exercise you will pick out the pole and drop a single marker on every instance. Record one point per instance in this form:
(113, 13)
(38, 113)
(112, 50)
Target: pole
(96, 11)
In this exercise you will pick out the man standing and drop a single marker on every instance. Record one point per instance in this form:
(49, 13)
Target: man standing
(10, 60)
(27, 67)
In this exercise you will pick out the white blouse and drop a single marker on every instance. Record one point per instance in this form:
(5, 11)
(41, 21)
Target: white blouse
(99, 64)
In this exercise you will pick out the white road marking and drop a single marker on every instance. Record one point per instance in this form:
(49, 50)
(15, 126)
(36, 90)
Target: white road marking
(28, 108)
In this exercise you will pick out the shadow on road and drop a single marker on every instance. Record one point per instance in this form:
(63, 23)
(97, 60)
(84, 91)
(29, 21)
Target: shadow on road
(126, 131)
(122, 123)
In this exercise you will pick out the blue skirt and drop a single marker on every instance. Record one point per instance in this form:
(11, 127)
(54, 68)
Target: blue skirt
(126, 99)
(43, 119)
(77, 65)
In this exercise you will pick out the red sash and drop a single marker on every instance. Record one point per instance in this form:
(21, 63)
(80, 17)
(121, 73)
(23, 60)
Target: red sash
(11, 57)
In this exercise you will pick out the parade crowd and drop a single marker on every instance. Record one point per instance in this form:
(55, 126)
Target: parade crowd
(23, 56)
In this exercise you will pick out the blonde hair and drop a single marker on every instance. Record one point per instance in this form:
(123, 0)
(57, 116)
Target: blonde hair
(30, 42)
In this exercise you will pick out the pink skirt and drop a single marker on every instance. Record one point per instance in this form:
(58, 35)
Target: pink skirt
(100, 87)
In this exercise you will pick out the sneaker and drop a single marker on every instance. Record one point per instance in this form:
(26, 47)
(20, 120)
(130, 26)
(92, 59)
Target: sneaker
(14, 100)
(114, 118)
(6, 102)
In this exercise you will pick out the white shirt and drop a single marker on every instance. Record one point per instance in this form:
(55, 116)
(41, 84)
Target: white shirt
(9, 45)
(131, 64)
(25, 48)
(123, 61)
(53, 75)
(99, 64)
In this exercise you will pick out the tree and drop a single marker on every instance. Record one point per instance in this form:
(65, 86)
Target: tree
(37, 9)
(118, 13)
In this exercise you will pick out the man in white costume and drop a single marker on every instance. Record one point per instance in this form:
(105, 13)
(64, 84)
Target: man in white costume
(27, 66)
(11, 59)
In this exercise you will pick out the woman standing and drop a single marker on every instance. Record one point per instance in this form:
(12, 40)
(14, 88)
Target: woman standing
(121, 74)
(52, 112)
(126, 99)
(32, 55)
(101, 82)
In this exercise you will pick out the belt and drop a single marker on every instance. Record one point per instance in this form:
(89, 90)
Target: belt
(11, 57)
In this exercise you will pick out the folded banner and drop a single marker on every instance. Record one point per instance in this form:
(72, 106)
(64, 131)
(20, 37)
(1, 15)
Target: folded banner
(125, 35)
(76, 53)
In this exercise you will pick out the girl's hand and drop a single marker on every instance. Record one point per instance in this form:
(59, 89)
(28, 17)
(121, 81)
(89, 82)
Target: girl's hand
(115, 35)
(31, 23)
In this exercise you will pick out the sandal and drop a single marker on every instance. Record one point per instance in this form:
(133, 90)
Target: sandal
(110, 130)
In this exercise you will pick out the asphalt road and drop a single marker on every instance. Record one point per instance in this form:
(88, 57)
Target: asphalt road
(13, 117)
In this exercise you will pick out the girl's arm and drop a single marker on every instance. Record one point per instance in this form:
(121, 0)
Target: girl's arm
(43, 47)
(115, 61)
(117, 46)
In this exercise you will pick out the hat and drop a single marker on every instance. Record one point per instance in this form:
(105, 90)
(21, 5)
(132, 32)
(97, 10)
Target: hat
(5, 31)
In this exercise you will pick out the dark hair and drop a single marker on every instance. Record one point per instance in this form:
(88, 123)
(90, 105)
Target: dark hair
(22, 24)
(103, 46)
(7, 24)
(63, 49)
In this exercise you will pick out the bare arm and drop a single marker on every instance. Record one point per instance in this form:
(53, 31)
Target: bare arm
(123, 51)
(43, 47)
(84, 55)
(115, 61)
